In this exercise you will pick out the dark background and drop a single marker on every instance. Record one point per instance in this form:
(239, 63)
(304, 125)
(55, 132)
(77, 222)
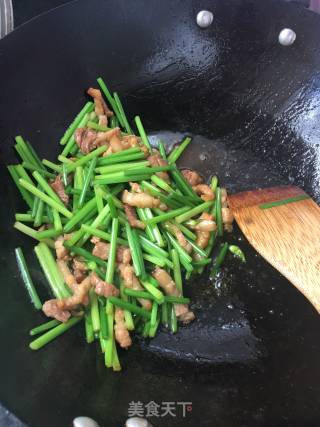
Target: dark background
(23, 10)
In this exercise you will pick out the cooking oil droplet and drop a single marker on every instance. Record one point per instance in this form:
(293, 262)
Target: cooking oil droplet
(230, 306)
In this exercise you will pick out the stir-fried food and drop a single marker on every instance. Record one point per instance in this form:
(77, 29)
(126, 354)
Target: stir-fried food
(139, 200)
(119, 227)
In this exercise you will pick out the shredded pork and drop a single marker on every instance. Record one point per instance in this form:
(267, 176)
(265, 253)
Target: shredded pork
(80, 293)
(224, 197)
(100, 107)
(168, 285)
(58, 187)
(101, 250)
(68, 277)
(140, 200)
(135, 187)
(204, 191)
(60, 309)
(51, 309)
(103, 288)
(131, 281)
(79, 269)
(129, 141)
(156, 160)
(120, 330)
(173, 228)
(227, 215)
(61, 251)
(103, 120)
(132, 217)
(203, 236)
(123, 255)
(206, 223)
(192, 177)
(86, 139)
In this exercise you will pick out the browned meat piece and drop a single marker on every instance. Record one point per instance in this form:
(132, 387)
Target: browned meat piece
(227, 219)
(166, 281)
(103, 120)
(204, 191)
(60, 308)
(144, 149)
(206, 223)
(79, 270)
(68, 277)
(130, 280)
(103, 288)
(120, 330)
(111, 137)
(107, 152)
(80, 294)
(101, 249)
(156, 160)
(227, 216)
(116, 140)
(86, 139)
(163, 207)
(51, 309)
(129, 141)
(61, 251)
(132, 217)
(167, 284)
(135, 187)
(203, 236)
(123, 255)
(101, 107)
(58, 187)
(183, 313)
(139, 200)
(173, 228)
(192, 177)
(224, 198)
(79, 264)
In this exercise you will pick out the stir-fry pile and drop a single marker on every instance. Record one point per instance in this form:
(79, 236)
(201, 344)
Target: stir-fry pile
(119, 226)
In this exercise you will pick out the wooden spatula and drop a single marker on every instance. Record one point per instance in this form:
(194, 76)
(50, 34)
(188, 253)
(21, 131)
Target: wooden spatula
(283, 225)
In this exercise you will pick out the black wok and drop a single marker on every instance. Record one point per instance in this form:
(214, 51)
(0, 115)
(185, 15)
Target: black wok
(253, 106)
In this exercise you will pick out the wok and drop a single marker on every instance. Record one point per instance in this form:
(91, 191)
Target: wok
(253, 108)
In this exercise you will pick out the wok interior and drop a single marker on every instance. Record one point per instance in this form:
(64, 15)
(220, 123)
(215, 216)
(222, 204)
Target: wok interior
(251, 106)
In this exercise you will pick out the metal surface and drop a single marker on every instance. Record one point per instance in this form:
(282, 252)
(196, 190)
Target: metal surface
(204, 18)
(6, 17)
(84, 422)
(251, 358)
(26, 10)
(287, 37)
(137, 422)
